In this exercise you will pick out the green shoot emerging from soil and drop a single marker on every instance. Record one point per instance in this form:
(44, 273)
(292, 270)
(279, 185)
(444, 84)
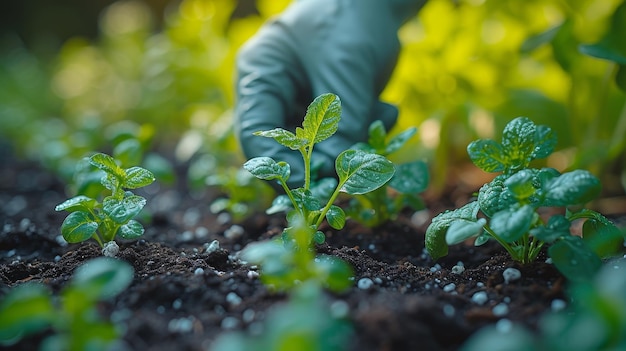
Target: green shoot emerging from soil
(114, 216)
(358, 171)
(511, 201)
(74, 318)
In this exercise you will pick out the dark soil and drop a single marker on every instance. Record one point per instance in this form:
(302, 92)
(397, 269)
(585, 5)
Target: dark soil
(411, 305)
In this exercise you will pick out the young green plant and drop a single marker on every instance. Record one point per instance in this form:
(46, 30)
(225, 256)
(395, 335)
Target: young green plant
(410, 179)
(510, 205)
(112, 217)
(358, 171)
(74, 318)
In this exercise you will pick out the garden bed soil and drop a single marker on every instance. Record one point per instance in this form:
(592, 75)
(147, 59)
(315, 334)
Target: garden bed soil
(411, 305)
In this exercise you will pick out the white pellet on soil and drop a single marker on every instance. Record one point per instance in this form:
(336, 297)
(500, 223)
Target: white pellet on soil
(500, 310)
(365, 283)
(511, 275)
(480, 297)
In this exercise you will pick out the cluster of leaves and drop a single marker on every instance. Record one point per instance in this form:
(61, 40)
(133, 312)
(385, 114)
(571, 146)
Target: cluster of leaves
(358, 171)
(378, 206)
(112, 217)
(510, 204)
(595, 320)
(73, 317)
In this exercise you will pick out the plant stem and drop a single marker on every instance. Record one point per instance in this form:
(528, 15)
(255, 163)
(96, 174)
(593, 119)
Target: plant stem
(501, 241)
(328, 204)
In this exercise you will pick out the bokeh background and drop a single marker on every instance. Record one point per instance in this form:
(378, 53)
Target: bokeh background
(82, 76)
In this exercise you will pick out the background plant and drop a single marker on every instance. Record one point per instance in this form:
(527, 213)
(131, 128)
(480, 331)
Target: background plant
(402, 191)
(103, 221)
(510, 204)
(73, 317)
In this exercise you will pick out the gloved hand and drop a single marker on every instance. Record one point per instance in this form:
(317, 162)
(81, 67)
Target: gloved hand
(345, 47)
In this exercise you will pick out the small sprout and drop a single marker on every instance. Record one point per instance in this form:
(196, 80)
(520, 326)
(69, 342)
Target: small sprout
(113, 216)
(511, 275)
(74, 318)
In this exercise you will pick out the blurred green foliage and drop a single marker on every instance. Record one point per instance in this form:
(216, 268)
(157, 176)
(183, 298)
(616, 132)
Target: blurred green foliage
(467, 68)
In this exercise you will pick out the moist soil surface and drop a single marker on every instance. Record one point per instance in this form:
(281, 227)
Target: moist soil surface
(414, 303)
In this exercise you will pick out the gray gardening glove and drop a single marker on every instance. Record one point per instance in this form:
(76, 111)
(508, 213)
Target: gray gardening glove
(345, 47)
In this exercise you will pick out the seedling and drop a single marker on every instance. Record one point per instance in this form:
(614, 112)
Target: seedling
(306, 322)
(358, 172)
(30, 308)
(410, 179)
(112, 217)
(510, 204)
(284, 266)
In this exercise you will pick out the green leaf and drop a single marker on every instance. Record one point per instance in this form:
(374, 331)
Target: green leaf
(107, 164)
(361, 172)
(487, 155)
(281, 203)
(557, 227)
(410, 177)
(319, 237)
(377, 137)
(520, 184)
(284, 137)
(25, 310)
(510, 224)
(399, 140)
(574, 258)
(78, 227)
(572, 188)
(77, 203)
(535, 41)
(306, 199)
(435, 240)
(463, 229)
(519, 142)
(111, 182)
(601, 235)
(122, 211)
(137, 177)
(545, 142)
(102, 278)
(336, 217)
(131, 230)
(267, 169)
(321, 119)
(494, 196)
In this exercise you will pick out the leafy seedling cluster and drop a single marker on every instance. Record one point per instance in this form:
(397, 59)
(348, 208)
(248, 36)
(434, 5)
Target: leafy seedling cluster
(510, 206)
(378, 206)
(73, 317)
(358, 171)
(112, 217)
